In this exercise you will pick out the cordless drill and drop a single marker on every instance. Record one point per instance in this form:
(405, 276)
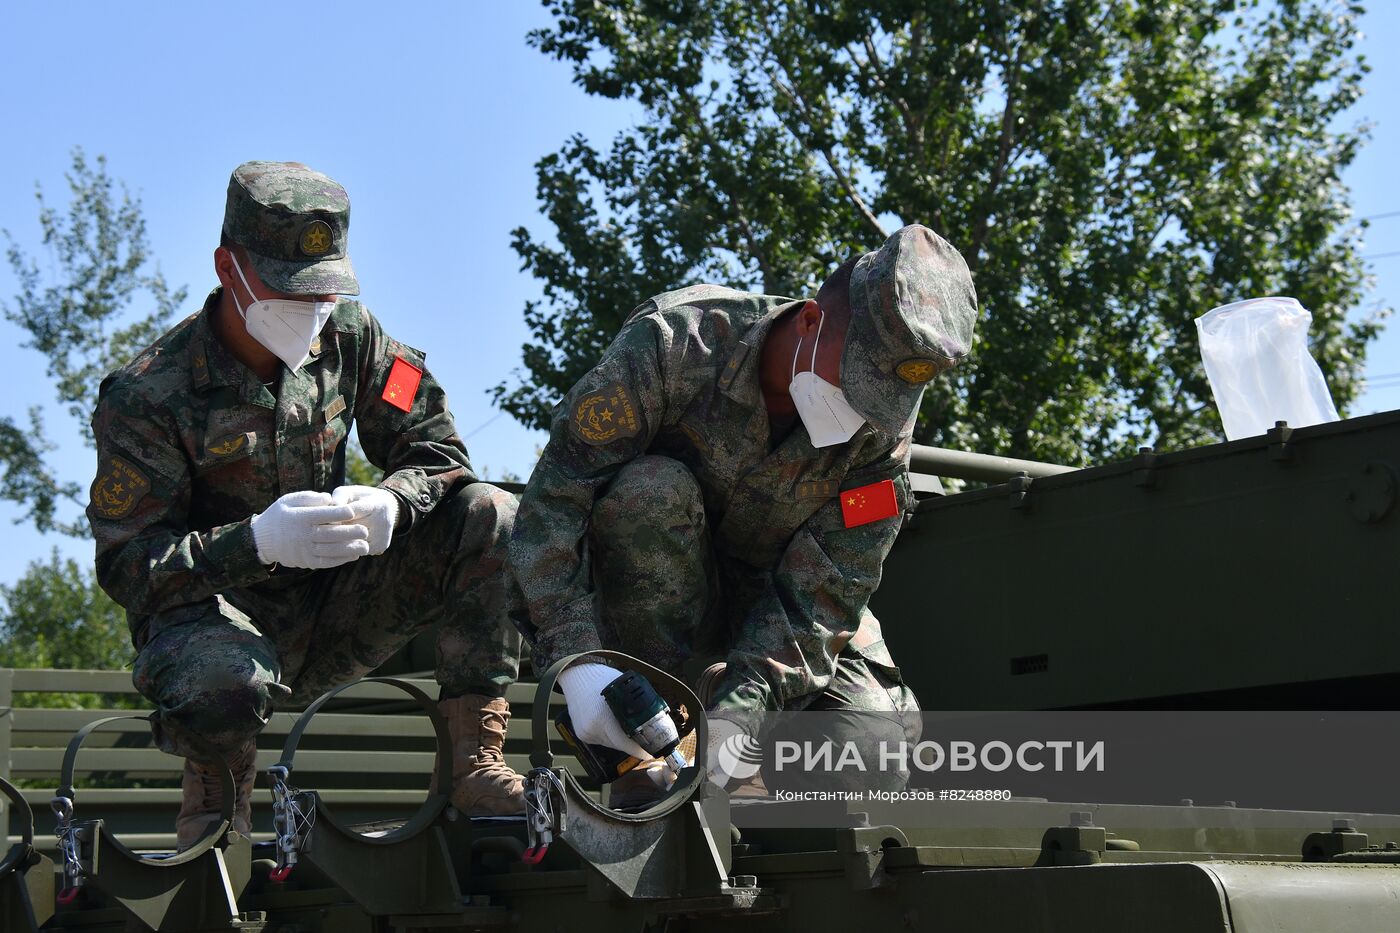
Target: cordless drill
(645, 718)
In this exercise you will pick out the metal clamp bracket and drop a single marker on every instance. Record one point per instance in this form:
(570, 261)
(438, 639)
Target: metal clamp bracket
(194, 889)
(407, 870)
(678, 847)
(26, 876)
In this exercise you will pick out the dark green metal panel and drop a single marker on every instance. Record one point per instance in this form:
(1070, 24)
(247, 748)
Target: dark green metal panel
(1253, 574)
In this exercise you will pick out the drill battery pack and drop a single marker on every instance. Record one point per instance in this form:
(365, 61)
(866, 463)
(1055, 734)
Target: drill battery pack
(603, 764)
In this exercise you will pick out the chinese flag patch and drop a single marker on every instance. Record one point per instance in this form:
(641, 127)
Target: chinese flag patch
(402, 384)
(866, 504)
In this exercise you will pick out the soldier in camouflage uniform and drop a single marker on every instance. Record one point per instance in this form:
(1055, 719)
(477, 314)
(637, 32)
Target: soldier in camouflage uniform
(251, 574)
(681, 508)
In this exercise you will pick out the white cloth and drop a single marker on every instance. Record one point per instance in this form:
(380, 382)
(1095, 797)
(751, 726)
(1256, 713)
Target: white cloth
(304, 529)
(594, 722)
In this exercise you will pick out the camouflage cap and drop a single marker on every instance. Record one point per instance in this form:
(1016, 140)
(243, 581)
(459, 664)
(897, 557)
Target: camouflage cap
(912, 311)
(294, 222)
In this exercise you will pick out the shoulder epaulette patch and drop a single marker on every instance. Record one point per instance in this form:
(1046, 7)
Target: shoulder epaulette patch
(731, 369)
(818, 489)
(696, 438)
(118, 488)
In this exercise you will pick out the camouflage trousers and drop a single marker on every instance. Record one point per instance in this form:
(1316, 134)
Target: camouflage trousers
(215, 670)
(671, 600)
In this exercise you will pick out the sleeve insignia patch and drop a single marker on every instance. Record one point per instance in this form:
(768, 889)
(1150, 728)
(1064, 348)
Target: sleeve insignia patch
(916, 370)
(604, 417)
(229, 446)
(118, 488)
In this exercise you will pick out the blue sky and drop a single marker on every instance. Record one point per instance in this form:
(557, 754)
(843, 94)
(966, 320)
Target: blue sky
(432, 116)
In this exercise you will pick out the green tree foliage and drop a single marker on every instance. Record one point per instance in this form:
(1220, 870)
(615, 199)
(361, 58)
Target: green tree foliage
(57, 616)
(1110, 170)
(358, 470)
(74, 309)
(77, 316)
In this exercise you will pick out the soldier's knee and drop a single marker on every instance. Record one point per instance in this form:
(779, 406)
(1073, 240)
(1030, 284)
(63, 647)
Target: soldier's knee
(221, 720)
(223, 702)
(652, 489)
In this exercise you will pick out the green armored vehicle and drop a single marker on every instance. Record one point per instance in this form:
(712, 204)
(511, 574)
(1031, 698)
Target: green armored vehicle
(1211, 627)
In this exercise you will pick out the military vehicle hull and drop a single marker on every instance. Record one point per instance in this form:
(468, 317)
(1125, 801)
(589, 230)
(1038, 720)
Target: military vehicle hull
(1249, 575)
(1245, 575)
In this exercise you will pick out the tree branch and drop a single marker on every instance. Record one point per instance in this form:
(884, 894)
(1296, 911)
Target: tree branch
(876, 73)
(696, 114)
(1006, 139)
(842, 178)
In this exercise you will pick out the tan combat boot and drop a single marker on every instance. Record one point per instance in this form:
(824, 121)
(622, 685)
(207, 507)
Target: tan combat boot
(202, 797)
(482, 783)
(708, 683)
(705, 689)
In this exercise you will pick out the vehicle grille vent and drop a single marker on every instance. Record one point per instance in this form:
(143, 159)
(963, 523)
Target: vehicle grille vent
(1030, 664)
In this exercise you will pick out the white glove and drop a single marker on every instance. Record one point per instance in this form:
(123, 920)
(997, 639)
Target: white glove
(301, 530)
(594, 722)
(376, 508)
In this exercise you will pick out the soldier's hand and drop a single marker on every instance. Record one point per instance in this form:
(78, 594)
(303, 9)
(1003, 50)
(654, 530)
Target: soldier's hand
(594, 722)
(304, 529)
(376, 508)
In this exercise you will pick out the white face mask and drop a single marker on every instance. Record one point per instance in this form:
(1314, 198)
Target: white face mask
(823, 408)
(283, 325)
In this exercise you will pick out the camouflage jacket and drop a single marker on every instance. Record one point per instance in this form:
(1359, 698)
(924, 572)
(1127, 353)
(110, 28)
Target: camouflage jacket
(682, 380)
(190, 445)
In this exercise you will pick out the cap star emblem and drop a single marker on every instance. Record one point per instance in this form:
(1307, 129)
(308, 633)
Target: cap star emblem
(316, 238)
(916, 371)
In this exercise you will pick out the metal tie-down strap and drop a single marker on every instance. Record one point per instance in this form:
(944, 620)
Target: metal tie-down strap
(26, 877)
(17, 859)
(64, 806)
(295, 812)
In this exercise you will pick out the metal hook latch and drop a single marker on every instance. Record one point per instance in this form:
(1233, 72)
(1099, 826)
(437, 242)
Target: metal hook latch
(291, 822)
(74, 875)
(544, 812)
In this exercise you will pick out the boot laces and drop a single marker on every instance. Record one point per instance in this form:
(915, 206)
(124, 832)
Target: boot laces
(241, 767)
(492, 737)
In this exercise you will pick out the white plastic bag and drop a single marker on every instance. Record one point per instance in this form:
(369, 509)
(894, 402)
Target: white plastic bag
(1256, 357)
